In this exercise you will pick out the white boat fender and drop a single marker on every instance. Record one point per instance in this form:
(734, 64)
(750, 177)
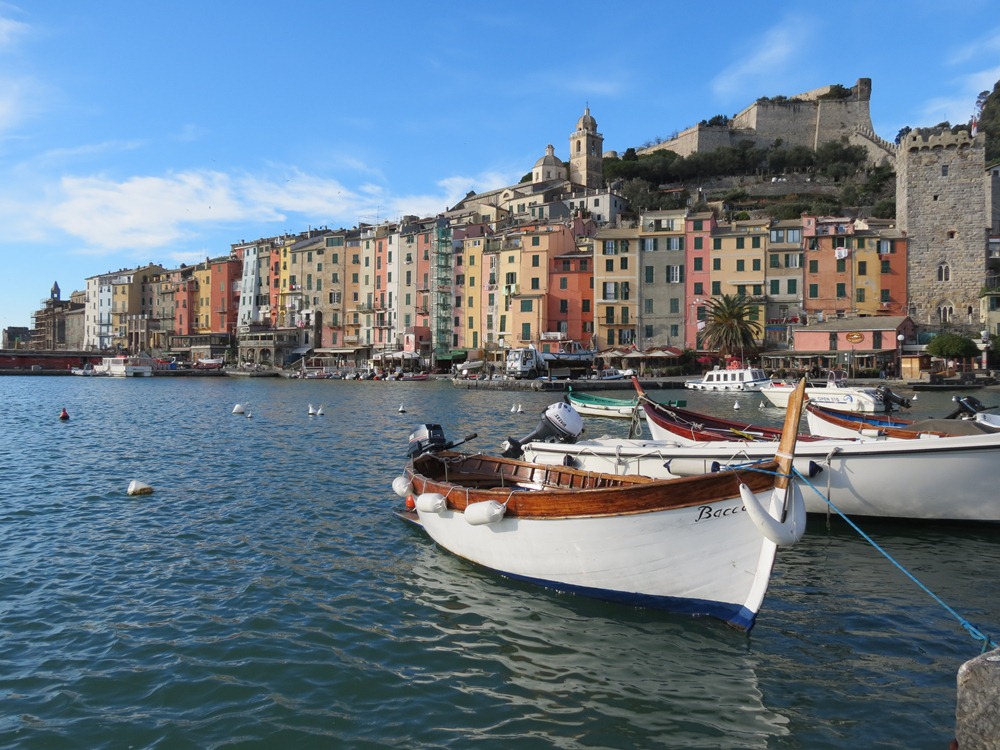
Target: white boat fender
(691, 467)
(487, 511)
(402, 486)
(431, 502)
(139, 488)
(782, 533)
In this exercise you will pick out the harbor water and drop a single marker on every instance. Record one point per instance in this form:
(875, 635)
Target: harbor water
(264, 596)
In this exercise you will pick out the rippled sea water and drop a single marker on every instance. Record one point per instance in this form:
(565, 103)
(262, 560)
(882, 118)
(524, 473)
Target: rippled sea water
(264, 595)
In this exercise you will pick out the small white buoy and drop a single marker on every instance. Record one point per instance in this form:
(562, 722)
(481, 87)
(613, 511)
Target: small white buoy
(513, 408)
(401, 409)
(238, 409)
(312, 411)
(249, 415)
(760, 405)
(736, 405)
(519, 409)
(915, 396)
(139, 488)
(319, 411)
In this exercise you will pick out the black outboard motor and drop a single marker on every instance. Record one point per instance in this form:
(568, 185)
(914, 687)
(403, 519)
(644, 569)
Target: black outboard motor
(560, 423)
(429, 438)
(968, 406)
(889, 398)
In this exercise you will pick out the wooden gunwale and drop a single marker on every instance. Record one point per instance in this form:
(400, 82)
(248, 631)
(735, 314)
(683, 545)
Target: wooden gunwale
(463, 479)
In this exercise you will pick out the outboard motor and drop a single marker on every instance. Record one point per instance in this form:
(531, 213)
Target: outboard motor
(429, 438)
(560, 423)
(968, 406)
(889, 398)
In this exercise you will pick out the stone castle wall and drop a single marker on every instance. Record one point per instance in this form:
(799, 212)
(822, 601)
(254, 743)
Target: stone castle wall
(805, 120)
(941, 194)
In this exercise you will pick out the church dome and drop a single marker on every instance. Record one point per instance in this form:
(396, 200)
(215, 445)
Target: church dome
(587, 122)
(550, 159)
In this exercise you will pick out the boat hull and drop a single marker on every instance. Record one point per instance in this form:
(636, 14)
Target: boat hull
(841, 399)
(628, 559)
(596, 406)
(929, 478)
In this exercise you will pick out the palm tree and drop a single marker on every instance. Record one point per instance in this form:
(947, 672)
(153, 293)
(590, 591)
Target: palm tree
(728, 328)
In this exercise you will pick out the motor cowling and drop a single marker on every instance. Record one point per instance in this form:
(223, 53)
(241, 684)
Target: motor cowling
(426, 438)
(560, 423)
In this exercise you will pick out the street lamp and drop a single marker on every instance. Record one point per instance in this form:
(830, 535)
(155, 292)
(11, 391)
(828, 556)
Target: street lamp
(899, 366)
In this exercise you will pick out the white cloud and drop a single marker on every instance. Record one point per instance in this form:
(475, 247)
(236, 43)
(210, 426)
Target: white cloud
(985, 48)
(770, 63)
(11, 31)
(960, 105)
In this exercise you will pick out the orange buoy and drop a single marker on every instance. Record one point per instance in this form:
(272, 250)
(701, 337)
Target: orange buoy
(410, 502)
(64, 415)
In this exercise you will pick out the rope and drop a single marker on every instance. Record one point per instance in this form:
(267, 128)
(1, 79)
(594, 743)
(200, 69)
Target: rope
(972, 630)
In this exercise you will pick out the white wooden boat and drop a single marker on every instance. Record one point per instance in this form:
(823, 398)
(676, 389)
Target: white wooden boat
(830, 423)
(834, 393)
(700, 545)
(730, 379)
(927, 478)
(594, 405)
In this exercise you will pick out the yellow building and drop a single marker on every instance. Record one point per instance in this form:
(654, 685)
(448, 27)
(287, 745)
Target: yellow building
(616, 286)
(738, 256)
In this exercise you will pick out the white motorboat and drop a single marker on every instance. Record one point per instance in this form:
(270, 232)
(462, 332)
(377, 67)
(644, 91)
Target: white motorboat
(128, 367)
(730, 379)
(834, 393)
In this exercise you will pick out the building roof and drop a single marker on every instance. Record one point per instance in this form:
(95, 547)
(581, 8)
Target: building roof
(868, 323)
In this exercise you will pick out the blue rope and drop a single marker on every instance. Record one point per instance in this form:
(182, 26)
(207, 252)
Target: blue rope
(972, 630)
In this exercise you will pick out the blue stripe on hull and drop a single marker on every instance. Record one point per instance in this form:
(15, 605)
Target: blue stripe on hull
(732, 614)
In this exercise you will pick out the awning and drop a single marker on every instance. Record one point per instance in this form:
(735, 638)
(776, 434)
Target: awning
(302, 350)
(343, 350)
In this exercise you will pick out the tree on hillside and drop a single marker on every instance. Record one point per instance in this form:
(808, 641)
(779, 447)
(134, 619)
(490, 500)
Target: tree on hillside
(728, 328)
(988, 106)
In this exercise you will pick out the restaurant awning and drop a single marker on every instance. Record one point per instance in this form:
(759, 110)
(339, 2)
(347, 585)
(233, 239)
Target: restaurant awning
(342, 350)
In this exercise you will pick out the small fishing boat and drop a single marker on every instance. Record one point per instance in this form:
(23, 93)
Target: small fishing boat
(592, 405)
(735, 377)
(700, 545)
(830, 423)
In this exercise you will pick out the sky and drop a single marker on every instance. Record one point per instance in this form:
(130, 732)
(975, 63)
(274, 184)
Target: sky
(164, 131)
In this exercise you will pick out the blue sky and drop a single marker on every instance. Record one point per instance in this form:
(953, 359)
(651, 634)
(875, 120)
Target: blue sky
(155, 131)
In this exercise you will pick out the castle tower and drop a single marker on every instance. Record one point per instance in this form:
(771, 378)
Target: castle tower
(941, 201)
(586, 151)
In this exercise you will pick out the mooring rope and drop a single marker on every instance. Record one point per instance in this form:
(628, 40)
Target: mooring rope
(972, 630)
